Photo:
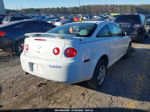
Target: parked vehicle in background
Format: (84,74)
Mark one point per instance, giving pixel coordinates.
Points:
(62,22)
(53,21)
(147,27)
(8,19)
(75,52)
(12,35)
(134,25)
(1,18)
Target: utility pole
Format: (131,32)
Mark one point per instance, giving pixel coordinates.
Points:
(2,8)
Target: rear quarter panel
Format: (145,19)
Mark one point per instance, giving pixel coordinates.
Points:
(88,49)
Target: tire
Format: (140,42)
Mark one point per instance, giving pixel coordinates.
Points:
(19,47)
(98,76)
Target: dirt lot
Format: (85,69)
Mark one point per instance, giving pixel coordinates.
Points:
(126,88)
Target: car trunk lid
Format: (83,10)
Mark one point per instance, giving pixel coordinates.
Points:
(42,45)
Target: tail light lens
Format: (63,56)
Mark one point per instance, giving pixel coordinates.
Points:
(56,51)
(26,47)
(2,33)
(71,52)
(137,25)
(40,39)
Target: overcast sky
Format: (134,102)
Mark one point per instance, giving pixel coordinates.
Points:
(19,4)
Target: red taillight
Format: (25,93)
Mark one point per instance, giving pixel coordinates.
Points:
(71,52)
(40,39)
(137,25)
(26,47)
(2,33)
(56,51)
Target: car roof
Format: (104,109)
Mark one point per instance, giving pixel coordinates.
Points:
(97,22)
(19,21)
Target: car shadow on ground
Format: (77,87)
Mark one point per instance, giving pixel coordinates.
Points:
(79,110)
(6,56)
(129,77)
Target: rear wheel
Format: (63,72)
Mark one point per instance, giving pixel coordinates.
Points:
(19,47)
(99,75)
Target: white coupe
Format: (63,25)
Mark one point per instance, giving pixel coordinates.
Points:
(75,52)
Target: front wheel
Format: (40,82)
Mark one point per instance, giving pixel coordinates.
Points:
(98,76)
(19,47)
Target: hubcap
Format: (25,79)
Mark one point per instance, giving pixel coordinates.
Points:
(101,75)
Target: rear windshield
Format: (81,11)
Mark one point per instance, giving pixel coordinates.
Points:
(128,18)
(76,29)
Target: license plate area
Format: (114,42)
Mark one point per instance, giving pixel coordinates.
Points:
(34,67)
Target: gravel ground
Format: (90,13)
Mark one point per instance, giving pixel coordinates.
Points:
(126,88)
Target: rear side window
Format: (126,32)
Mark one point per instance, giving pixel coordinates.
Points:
(46,26)
(33,26)
(37,26)
(114,30)
(129,19)
(104,32)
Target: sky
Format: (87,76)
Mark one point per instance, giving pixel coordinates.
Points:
(20,4)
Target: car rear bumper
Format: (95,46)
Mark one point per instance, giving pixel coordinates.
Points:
(59,71)
(134,37)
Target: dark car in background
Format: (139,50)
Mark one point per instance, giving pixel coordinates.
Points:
(12,35)
(8,19)
(133,25)
(1,18)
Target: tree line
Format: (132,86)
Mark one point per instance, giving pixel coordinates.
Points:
(87,9)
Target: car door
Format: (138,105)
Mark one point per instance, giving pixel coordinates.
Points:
(121,40)
(109,43)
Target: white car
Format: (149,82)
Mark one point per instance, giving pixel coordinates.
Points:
(75,52)
(62,22)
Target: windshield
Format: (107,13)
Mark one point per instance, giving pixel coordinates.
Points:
(76,29)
